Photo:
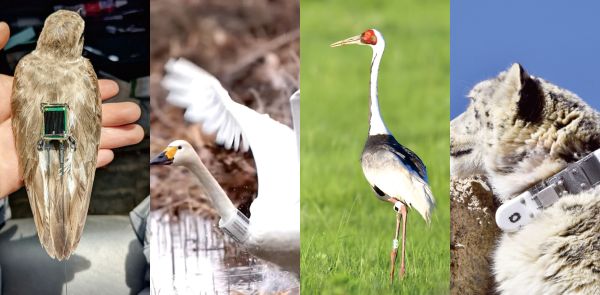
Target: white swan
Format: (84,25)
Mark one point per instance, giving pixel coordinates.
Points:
(273,230)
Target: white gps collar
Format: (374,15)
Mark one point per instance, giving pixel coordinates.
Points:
(577,177)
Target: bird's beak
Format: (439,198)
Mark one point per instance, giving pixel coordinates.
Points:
(351,40)
(165,157)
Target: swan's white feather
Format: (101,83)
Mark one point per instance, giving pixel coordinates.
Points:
(206,102)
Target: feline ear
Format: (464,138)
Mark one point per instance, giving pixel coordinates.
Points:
(530,99)
(516,75)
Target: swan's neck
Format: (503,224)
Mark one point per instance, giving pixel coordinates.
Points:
(221,202)
(376,125)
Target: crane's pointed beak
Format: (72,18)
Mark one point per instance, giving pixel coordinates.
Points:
(349,41)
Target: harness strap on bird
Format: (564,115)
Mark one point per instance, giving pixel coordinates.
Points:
(55,129)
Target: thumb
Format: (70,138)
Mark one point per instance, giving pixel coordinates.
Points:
(4,34)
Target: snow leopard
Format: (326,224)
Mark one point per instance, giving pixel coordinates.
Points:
(518,130)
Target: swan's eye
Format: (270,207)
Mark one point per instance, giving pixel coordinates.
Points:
(179,147)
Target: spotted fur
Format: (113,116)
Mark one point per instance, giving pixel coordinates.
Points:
(530,129)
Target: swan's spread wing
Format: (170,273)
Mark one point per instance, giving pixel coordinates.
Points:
(206,101)
(238,127)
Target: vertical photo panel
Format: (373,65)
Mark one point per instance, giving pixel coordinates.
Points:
(374,147)
(225,185)
(525,148)
(74,139)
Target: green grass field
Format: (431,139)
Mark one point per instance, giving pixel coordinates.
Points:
(346,231)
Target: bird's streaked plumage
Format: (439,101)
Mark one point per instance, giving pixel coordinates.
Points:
(56,73)
(275,213)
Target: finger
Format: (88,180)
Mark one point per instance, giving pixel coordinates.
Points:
(116,137)
(120,113)
(108,88)
(104,158)
(4,34)
(5,92)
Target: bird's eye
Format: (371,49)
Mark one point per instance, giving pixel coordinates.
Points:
(179,147)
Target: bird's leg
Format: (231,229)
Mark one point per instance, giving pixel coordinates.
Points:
(404,214)
(394,252)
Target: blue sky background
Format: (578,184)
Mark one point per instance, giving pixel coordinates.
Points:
(556,40)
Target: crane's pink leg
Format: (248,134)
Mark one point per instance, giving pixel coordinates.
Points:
(394,252)
(404,213)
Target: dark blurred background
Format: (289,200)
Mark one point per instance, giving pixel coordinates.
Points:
(117,42)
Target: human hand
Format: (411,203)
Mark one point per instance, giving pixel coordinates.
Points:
(118,128)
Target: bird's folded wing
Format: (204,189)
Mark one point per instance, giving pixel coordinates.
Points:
(26,119)
(410,159)
(238,127)
(26,126)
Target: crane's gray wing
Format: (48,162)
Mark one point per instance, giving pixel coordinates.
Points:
(59,199)
(408,157)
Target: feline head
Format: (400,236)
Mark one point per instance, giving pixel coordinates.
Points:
(520,129)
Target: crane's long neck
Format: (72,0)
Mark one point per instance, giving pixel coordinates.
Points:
(376,124)
(221,202)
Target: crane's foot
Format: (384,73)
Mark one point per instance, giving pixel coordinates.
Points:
(401,272)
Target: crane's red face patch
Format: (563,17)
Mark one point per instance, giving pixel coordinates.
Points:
(368,37)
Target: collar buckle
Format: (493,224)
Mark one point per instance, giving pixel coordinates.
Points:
(546,197)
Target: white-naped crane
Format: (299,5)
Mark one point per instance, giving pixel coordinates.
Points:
(395,173)
(273,230)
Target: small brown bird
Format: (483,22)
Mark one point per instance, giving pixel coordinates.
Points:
(56,121)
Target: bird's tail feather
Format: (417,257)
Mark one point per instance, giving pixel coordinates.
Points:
(426,203)
(59,202)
